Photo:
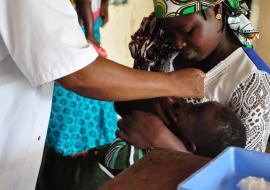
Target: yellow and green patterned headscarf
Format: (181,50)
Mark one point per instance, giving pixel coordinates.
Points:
(235,14)
(172,8)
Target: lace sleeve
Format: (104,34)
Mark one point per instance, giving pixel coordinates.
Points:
(251,102)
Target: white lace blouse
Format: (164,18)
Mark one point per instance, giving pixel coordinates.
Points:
(236,82)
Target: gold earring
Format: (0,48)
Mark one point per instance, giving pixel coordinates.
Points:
(184,44)
(218,16)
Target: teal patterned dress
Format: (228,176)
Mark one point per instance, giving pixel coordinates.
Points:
(78,123)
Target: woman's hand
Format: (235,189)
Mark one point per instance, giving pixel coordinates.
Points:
(162,107)
(146,130)
(165,108)
(188,82)
(91,40)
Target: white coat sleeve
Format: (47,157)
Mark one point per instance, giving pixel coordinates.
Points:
(44,39)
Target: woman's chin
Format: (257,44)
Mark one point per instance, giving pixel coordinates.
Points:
(192,58)
(188,55)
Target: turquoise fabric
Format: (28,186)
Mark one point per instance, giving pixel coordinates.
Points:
(97,25)
(78,123)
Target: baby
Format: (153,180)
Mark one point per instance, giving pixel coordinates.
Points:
(208,128)
(205,129)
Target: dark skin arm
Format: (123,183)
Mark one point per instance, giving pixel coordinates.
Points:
(104,11)
(162,107)
(85,12)
(127,107)
(107,80)
(146,130)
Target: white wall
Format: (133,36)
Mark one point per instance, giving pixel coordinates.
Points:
(124,20)
(262,14)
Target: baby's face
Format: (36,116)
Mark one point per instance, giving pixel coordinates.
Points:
(193,121)
(196,124)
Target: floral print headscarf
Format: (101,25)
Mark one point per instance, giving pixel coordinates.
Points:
(150,46)
(235,11)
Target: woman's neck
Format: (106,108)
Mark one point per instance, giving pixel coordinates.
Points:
(228,44)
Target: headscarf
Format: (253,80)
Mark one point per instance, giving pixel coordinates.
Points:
(235,11)
(150,46)
(172,8)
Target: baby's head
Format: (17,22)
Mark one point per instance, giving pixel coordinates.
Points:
(208,128)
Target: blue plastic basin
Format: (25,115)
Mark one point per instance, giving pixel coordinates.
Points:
(227,169)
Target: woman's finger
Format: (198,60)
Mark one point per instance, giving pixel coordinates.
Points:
(125,123)
(120,124)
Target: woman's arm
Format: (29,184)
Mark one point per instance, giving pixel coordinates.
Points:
(146,130)
(127,107)
(164,107)
(84,9)
(104,11)
(106,80)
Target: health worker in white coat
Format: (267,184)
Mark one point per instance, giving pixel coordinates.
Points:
(42,42)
